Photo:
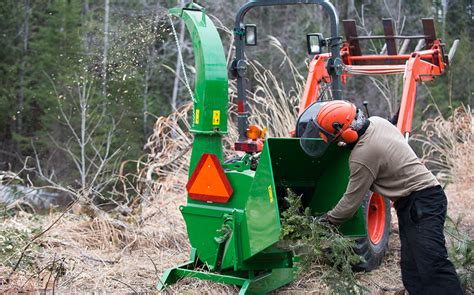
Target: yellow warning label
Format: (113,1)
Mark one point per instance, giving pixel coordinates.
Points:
(216,117)
(270,193)
(196,116)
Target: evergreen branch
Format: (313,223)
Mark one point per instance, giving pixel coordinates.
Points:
(320,243)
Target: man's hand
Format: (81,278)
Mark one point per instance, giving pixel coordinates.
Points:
(324,220)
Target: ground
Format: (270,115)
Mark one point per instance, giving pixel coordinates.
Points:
(120,254)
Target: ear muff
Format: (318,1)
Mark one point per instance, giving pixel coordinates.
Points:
(349,135)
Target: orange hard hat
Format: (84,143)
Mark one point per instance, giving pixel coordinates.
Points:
(334,118)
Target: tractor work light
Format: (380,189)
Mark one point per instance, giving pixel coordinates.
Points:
(251,35)
(315,43)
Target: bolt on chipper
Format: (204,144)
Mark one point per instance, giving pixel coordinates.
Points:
(233,208)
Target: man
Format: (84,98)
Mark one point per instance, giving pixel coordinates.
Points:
(383,162)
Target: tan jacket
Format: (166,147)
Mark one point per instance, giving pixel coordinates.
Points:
(383,162)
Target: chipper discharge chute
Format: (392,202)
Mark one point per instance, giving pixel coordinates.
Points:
(233,208)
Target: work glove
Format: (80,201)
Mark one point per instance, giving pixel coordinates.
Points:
(324,220)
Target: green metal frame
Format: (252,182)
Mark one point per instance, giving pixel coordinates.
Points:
(237,242)
(211,91)
(250,281)
(321,181)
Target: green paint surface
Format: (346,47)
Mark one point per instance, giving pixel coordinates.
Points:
(211,91)
(320,181)
(251,217)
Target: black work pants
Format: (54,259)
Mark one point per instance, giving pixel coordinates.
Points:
(424,258)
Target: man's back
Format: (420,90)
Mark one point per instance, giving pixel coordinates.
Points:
(395,168)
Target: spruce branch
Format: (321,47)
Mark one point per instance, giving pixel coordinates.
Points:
(321,244)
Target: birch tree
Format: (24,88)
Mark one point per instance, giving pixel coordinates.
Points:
(90,145)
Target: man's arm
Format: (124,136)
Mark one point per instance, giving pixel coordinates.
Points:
(360,181)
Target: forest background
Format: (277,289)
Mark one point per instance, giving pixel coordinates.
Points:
(84,81)
(95,105)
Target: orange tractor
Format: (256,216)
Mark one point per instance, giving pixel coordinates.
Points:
(426,62)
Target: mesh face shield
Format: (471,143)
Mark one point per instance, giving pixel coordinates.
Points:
(315,140)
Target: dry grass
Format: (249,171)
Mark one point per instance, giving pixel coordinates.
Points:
(127,253)
(115,253)
(448,147)
(107,253)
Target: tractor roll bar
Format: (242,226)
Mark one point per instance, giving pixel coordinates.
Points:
(239,66)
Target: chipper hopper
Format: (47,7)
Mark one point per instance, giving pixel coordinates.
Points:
(233,208)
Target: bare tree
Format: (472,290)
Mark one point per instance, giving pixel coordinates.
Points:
(150,67)
(174,97)
(85,38)
(445,5)
(90,145)
(21,94)
(106,48)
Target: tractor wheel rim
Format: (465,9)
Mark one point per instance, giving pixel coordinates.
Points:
(376,218)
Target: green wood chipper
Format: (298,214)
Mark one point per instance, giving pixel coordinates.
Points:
(233,208)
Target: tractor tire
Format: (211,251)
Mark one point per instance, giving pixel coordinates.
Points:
(378,218)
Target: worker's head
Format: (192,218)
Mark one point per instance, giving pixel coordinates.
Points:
(335,121)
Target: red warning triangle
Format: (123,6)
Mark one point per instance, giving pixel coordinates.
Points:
(209,182)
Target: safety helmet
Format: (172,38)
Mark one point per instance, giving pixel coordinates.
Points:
(334,120)
(327,122)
